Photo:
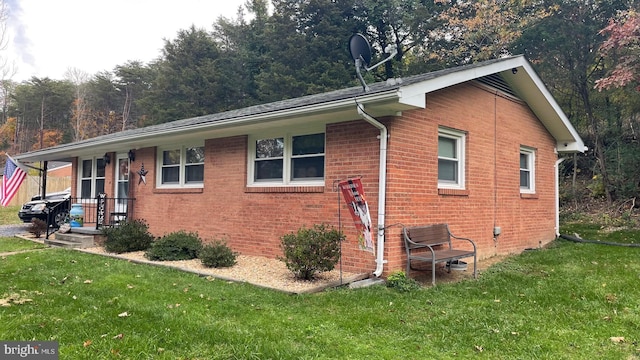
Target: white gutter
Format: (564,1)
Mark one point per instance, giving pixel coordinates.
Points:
(382,187)
(557,174)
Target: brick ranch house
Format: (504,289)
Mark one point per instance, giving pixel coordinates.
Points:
(475,146)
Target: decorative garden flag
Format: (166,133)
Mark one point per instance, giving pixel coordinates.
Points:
(353,194)
(12,178)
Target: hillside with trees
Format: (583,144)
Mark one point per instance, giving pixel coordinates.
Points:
(585,51)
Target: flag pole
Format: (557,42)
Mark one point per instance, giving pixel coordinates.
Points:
(43,175)
(31,167)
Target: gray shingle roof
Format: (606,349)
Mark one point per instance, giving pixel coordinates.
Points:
(328,101)
(288,104)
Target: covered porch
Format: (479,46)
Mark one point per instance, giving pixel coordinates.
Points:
(90,215)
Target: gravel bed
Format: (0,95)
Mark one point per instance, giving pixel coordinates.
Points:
(256,270)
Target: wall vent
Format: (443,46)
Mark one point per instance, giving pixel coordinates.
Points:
(497,82)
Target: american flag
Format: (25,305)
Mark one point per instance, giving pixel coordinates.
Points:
(12,178)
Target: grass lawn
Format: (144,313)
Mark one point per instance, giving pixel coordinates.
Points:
(9,215)
(9,244)
(599,233)
(568,301)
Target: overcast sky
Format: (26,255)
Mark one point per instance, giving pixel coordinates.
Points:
(46,37)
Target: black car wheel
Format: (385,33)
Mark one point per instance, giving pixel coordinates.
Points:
(60,217)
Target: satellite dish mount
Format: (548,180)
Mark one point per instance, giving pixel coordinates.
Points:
(361,53)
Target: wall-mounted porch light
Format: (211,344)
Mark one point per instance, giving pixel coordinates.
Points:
(132,155)
(106,158)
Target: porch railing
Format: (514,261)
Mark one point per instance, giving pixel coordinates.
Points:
(98,212)
(105,211)
(57,214)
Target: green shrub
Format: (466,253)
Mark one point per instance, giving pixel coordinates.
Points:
(398,280)
(179,245)
(217,254)
(37,227)
(311,250)
(128,236)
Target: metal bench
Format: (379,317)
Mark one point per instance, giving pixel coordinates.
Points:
(433,243)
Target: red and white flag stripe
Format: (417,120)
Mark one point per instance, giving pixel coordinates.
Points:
(12,178)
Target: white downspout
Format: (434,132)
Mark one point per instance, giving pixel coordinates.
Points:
(382,188)
(557,174)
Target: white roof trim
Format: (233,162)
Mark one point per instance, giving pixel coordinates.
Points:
(525,82)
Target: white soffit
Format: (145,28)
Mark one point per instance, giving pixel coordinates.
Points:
(524,81)
(532,90)
(410,94)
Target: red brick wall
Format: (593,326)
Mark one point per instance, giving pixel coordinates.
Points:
(61,171)
(496,127)
(252,220)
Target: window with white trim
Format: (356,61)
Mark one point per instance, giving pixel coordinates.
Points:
(180,166)
(91,177)
(451,144)
(287,160)
(527,170)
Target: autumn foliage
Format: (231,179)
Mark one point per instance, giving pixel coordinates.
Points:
(8,132)
(50,137)
(623,47)
(483,30)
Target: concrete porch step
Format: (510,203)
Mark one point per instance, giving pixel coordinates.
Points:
(63,243)
(72,240)
(86,230)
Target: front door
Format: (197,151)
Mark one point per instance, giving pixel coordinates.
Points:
(122,184)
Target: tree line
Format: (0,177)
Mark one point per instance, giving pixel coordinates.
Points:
(585,51)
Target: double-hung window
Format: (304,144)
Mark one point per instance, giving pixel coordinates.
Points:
(527,170)
(451,145)
(287,159)
(181,166)
(91,177)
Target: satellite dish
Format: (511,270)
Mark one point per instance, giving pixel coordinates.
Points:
(360,49)
(361,54)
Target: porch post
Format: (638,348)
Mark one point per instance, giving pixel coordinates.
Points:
(44,179)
